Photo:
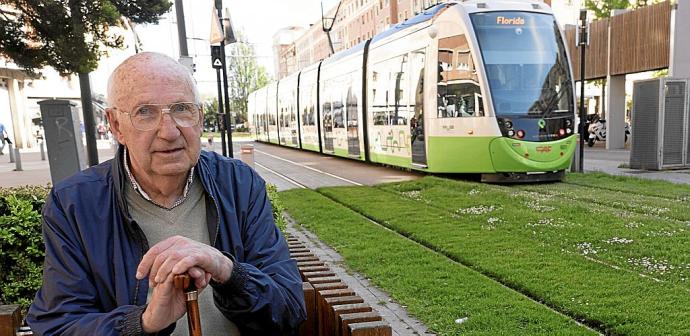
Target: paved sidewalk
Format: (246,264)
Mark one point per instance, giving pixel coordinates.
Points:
(615,161)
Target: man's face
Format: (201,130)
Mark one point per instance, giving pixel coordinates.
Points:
(166,150)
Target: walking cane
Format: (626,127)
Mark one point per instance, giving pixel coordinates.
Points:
(184,282)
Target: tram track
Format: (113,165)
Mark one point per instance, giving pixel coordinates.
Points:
(592,325)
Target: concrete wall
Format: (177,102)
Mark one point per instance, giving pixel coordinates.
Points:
(680,58)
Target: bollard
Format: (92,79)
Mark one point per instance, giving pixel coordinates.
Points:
(247,154)
(18,160)
(43,151)
(11,149)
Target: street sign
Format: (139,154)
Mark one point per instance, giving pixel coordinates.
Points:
(216,59)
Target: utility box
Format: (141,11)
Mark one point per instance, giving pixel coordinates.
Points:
(66,153)
(660,124)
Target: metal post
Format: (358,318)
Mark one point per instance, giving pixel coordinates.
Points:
(43,151)
(583,44)
(228,122)
(89,120)
(181,28)
(18,160)
(221,115)
(11,148)
(247,154)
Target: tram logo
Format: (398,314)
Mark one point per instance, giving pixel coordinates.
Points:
(541,123)
(502,20)
(543,149)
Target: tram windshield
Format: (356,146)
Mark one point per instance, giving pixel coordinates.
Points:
(526,64)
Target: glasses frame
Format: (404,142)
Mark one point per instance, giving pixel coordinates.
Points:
(164,110)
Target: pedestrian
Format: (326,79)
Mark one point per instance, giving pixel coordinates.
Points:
(101,131)
(210,141)
(3,137)
(117,233)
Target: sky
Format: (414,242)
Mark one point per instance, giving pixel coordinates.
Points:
(257,20)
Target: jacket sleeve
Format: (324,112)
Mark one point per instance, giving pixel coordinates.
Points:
(264,293)
(67,302)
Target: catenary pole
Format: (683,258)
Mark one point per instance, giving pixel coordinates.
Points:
(583,44)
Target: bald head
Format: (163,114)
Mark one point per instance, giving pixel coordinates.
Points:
(144,69)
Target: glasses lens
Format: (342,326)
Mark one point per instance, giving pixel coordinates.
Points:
(146,117)
(185,114)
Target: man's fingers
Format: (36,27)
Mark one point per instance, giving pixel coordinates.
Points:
(150,257)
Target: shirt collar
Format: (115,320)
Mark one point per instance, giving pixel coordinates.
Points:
(143,193)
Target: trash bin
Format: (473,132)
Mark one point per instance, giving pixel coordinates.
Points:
(247,154)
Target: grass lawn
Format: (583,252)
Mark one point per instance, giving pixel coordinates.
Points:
(216,135)
(611,252)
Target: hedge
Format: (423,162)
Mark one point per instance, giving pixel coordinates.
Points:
(21,241)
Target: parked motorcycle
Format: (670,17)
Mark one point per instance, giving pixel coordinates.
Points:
(597,130)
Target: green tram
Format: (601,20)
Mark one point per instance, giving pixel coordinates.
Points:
(464,87)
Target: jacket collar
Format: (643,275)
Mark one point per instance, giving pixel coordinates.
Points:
(203,172)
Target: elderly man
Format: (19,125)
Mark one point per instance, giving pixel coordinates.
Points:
(117,233)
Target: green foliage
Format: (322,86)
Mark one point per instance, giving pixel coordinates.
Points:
(245,75)
(70,36)
(604,8)
(21,244)
(278,206)
(211,114)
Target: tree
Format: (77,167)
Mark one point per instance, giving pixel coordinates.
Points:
(70,36)
(604,8)
(211,114)
(244,77)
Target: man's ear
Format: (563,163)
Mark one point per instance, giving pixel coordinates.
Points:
(114,122)
(201,119)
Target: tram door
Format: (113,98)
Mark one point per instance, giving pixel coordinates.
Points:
(417,136)
(328,127)
(352,124)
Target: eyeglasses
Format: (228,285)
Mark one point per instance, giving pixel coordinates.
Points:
(148,116)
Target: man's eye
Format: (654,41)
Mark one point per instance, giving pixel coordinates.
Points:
(180,108)
(145,111)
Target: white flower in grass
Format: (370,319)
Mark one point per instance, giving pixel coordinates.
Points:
(413,194)
(473,192)
(476,210)
(634,225)
(652,265)
(586,248)
(616,240)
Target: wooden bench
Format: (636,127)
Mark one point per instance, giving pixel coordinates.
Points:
(332,307)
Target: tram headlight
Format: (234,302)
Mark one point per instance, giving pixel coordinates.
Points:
(568,130)
(508,124)
(520,134)
(568,123)
(561,132)
(511,133)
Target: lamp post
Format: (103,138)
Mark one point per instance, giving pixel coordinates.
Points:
(582,43)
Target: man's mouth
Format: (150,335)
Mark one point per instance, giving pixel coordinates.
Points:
(169,151)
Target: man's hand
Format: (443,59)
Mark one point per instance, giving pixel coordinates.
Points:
(178,255)
(167,305)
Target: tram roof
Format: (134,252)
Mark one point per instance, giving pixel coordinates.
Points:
(424,16)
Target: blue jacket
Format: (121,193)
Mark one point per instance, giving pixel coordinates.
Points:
(93,248)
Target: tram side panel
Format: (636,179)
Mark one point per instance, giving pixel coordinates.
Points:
(272,112)
(341,106)
(396,99)
(308,106)
(287,111)
(261,116)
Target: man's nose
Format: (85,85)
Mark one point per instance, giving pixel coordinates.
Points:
(168,128)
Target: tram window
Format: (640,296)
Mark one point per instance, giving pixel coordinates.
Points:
(417,103)
(351,108)
(338,120)
(458,92)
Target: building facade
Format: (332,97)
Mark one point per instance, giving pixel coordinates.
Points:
(353,22)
